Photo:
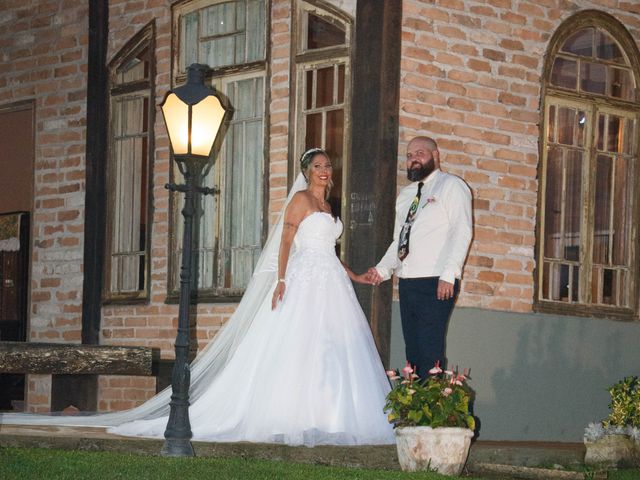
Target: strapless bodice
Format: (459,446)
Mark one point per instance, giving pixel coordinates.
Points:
(318,231)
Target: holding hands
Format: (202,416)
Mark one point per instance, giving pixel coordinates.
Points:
(370,277)
(373,276)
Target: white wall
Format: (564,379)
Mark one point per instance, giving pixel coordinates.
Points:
(536,377)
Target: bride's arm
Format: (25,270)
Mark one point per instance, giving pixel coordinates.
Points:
(293,215)
(362,278)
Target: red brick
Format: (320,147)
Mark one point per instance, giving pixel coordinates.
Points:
(479,65)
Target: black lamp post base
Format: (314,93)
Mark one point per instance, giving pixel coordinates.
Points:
(177,447)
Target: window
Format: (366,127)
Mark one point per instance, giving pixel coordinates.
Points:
(322,78)
(131,110)
(230,37)
(587,247)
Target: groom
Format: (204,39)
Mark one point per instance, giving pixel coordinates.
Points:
(432,233)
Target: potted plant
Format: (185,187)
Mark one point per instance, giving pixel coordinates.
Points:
(615,442)
(431,418)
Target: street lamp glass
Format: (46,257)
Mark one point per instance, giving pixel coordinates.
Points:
(206,120)
(176,117)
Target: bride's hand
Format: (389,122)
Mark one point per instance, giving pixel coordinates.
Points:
(363,278)
(278,293)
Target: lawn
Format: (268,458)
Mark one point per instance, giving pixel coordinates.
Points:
(31,464)
(36,464)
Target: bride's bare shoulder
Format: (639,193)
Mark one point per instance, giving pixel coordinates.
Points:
(301,199)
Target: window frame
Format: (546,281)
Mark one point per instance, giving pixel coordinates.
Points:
(144,39)
(217,78)
(593,104)
(304,60)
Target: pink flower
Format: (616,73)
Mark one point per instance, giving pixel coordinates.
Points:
(407,369)
(391,373)
(447,391)
(436,369)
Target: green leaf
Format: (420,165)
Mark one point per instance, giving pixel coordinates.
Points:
(471,423)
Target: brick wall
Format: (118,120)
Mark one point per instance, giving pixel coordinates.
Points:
(471,79)
(44,49)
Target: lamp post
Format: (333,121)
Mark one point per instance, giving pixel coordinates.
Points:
(193,114)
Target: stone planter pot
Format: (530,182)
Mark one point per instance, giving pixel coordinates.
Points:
(444,449)
(613,451)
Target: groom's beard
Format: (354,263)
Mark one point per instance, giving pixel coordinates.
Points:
(418,171)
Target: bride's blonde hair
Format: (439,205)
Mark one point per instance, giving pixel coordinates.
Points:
(305,163)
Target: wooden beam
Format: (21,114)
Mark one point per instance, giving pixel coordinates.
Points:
(374,154)
(59,358)
(96,148)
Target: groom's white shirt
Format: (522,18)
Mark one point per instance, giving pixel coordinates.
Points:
(440,234)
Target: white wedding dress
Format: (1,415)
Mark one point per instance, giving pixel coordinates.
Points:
(307,372)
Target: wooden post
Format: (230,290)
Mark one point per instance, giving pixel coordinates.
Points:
(374,153)
(96,152)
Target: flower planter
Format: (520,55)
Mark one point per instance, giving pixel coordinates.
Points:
(612,451)
(444,449)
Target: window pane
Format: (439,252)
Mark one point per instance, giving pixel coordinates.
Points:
(601,132)
(128,195)
(220,19)
(189,44)
(559,282)
(593,78)
(621,84)
(615,133)
(341,84)
(334,147)
(580,43)
(309,89)
(322,33)
(324,87)
(134,69)
(313,130)
(567,122)
(256,29)
(607,48)
(564,73)
(219,52)
(229,33)
(551,124)
(609,287)
(573,205)
(245,164)
(629,137)
(553,205)
(621,212)
(602,210)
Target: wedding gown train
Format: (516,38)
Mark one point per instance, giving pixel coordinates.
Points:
(307,372)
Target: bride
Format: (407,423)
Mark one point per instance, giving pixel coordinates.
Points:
(296,363)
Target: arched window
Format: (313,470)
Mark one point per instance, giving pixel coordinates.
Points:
(587,251)
(131,112)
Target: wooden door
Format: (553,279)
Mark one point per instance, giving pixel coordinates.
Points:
(17,150)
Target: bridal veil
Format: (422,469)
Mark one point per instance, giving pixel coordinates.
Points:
(212,358)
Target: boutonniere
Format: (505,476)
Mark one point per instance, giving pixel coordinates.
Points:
(429,201)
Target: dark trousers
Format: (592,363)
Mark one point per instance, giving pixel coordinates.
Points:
(424,321)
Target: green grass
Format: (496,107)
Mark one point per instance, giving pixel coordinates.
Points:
(41,464)
(624,475)
(32,464)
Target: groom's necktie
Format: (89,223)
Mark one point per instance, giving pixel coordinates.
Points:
(403,242)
